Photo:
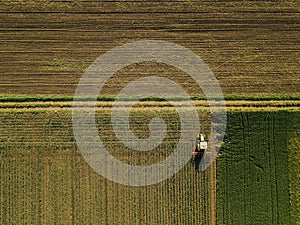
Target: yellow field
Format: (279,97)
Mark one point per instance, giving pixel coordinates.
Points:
(45,180)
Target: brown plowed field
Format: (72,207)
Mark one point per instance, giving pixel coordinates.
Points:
(252,47)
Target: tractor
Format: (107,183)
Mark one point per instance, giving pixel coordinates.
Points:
(200,148)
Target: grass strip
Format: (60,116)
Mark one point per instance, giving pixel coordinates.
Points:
(57,98)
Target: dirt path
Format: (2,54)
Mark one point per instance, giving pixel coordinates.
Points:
(212,185)
(200,104)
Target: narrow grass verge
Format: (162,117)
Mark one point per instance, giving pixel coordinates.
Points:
(56,98)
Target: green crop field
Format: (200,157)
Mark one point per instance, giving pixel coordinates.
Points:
(253,169)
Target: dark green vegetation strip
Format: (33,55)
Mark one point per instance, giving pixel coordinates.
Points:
(58,98)
(252,171)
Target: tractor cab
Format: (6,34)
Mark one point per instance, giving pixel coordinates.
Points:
(200,148)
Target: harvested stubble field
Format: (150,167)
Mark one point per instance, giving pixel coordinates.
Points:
(251,47)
